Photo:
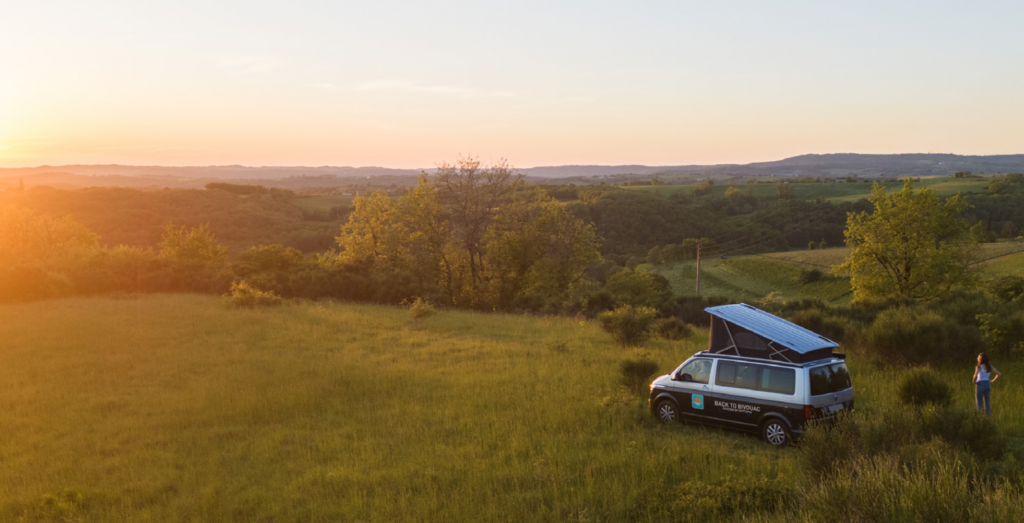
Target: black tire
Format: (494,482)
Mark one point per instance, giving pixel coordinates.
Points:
(776,433)
(667,412)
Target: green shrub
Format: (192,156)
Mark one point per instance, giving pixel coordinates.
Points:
(810,276)
(629,325)
(690,309)
(672,329)
(1008,289)
(638,287)
(636,373)
(908,335)
(420,309)
(244,295)
(923,385)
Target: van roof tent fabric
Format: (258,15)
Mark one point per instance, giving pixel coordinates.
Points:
(751,332)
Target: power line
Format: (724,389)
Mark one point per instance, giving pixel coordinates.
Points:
(739,248)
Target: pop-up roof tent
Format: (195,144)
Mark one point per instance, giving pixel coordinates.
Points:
(751,332)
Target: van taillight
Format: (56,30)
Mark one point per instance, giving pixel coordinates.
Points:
(808,412)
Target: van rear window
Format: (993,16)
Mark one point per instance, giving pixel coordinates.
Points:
(829,378)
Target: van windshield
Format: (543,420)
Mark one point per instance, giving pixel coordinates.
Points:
(830,378)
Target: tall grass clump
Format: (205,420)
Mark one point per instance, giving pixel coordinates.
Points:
(243,295)
(914,436)
(420,310)
(923,385)
(701,501)
(903,463)
(635,374)
(629,325)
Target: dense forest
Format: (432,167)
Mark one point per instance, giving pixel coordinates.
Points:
(137,218)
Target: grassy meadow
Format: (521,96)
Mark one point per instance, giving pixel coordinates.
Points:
(178,408)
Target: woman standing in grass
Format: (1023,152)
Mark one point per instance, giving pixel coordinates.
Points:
(984,375)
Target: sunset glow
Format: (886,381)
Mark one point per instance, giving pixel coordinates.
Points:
(409,84)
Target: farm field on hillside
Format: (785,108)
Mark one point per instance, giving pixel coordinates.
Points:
(944,186)
(755,276)
(746,278)
(1010,265)
(175,407)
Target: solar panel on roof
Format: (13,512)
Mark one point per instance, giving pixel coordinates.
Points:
(772,327)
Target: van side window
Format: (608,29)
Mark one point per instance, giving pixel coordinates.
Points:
(774,379)
(699,370)
(736,375)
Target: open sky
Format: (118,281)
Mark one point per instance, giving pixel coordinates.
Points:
(411,84)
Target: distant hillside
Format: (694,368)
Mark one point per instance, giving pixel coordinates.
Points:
(815,165)
(216,171)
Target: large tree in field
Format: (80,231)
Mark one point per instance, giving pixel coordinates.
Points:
(472,195)
(478,235)
(913,246)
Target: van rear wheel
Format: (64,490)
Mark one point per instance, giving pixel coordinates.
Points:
(667,412)
(776,433)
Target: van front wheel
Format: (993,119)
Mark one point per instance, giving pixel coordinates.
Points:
(667,412)
(775,433)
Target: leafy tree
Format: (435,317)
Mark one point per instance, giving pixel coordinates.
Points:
(629,326)
(534,247)
(673,253)
(913,246)
(477,236)
(38,254)
(472,195)
(1009,230)
(372,232)
(655,256)
(640,288)
(27,236)
(268,267)
(1008,184)
(704,188)
(191,248)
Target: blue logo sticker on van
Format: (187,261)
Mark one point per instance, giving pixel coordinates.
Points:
(697,400)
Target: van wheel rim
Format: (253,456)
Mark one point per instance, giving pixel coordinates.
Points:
(776,434)
(666,413)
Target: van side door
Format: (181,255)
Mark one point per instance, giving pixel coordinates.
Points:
(691,386)
(746,392)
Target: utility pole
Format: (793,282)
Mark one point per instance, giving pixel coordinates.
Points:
(698,269)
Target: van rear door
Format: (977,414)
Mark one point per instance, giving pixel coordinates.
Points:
(831,389)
